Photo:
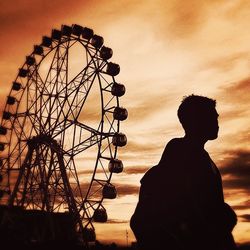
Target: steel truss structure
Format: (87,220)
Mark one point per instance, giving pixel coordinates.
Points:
(59,132)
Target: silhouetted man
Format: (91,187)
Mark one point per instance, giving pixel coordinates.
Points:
(181,204)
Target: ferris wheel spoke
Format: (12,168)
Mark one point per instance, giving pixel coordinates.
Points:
(61,79)
(50,83)
(106,147)
(77,188)
(111,123)
(73,108)
(94,191)
(82,146)
(12,155)
(19,179)
(39,89)
(108,83)
(84,86)
(58,67)
(70,96)
(87,128)
(48,77)
(103,168)
(39,83)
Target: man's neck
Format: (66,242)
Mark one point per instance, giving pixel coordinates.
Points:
(195,142)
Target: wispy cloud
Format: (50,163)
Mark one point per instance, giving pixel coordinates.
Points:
(227,62)
(187,17)
(237,92)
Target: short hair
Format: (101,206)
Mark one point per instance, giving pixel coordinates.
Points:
(194,107)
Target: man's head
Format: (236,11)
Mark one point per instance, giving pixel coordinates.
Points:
(199,117)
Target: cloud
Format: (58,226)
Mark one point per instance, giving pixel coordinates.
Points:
(187,17)
(245,217)
(236,170)
(114,221)
(134,146)
(16,19)
(239,183)
(237,92)
(239,9)
(123,190)
(146,108)
(144,153)
(21,13)
(240,87)
(229,115)
(136,170)
(227,62)
(242,206)
(142,108)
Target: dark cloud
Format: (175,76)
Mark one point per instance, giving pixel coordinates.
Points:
(245,217)
(113,221)
(126,170)
(239,183)
(236,170)
(123,189)
(136,169)
(240,87)
(88,172)
(242,206)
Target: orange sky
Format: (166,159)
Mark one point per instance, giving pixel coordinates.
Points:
(166,50)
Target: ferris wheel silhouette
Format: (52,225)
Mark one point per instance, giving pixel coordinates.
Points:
(60,129)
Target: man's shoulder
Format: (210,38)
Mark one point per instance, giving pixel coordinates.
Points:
(174,149)
(167,163)
(176,144)
(151,174)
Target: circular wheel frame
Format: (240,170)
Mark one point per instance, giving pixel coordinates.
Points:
(60,129)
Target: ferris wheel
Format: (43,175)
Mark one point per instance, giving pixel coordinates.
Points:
(60,129)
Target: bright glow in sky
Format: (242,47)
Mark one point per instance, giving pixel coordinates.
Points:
(166,50)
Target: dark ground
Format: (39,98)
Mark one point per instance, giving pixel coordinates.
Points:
(71,246)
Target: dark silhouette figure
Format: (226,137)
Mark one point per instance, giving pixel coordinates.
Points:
(181,204)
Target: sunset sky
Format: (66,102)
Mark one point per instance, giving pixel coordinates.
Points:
(166,50)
